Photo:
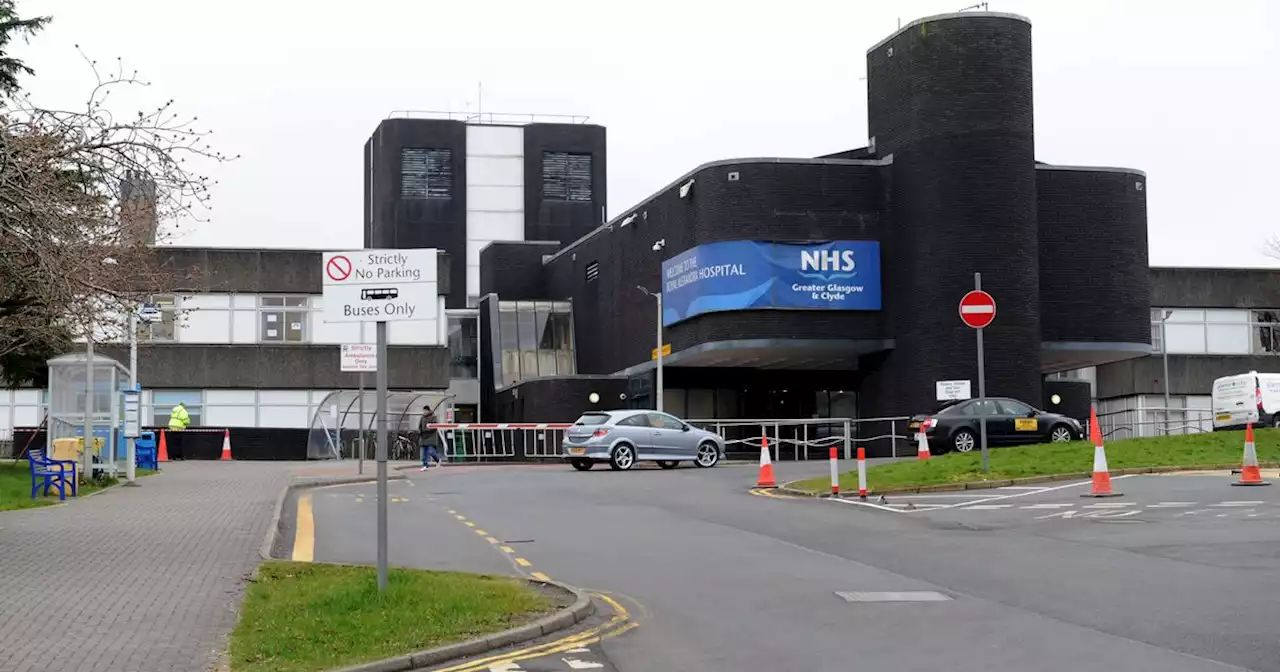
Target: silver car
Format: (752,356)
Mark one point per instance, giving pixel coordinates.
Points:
(623,438)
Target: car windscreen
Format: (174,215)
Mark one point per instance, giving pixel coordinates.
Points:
(591,419)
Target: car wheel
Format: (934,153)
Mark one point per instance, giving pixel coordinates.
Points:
(581,465)
(668,464)
(1060,434)
(624,457)
(964,441)
(708,456)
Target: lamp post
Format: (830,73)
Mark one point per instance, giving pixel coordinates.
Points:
(658,389)
(1164,352)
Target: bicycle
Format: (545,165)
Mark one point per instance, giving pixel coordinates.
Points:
(403,448)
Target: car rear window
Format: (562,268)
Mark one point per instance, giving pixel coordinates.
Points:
(590,419)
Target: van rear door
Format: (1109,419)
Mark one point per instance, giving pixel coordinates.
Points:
(1235,400)
(1269,384)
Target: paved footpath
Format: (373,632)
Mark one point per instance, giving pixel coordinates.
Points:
(135,579)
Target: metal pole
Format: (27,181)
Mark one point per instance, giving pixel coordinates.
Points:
(1164,351)
(86,458)
(360,429)
(660,407)
(982,384)
(381,455)
(131,448)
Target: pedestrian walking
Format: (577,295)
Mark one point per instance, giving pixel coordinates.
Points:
(178,421)
(428,438)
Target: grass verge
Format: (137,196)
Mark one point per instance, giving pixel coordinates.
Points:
(302,617)
(15,487)
(1194,450)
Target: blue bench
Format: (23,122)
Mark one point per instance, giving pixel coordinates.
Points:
(51,473)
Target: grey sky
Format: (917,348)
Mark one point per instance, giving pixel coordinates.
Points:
(1188,93)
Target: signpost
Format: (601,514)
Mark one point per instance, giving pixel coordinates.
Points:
(978,310)
(380,286)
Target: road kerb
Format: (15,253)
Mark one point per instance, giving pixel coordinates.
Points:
(581,609)
(310,482)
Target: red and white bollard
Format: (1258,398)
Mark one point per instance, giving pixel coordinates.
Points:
(862,472)
(835,473)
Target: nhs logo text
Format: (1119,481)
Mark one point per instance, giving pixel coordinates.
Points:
(827,264)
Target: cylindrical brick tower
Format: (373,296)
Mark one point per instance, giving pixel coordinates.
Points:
(950,100)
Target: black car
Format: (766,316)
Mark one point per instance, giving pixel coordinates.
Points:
(1010,422)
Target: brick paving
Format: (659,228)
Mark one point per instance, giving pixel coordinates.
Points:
(135,579)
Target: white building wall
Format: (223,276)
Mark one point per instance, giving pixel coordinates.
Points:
(495,192)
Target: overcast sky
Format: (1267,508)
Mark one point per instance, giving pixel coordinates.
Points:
(1186,91)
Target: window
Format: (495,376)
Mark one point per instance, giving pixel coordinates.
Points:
(666,422)
(979,407)
(566,176)
(163,401)
(464,339)
(593,271)
(1014,408)
(164,329)
(536,338)
(1266,332)
(426,173)
(1211,331)
(282,319)
(637,420)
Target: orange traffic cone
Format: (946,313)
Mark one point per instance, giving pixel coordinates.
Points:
(1101,477)
(766,466)
(226,444)
(1249,474)
(922,452)
(162,453)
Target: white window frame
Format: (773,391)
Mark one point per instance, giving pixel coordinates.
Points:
(282,311)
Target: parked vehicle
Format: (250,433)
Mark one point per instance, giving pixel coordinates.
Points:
(622,438)
(1246,398)
(955,425)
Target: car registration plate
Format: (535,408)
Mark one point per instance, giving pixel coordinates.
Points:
(1025,424)
(1224,416)
(914,425)
(577,451)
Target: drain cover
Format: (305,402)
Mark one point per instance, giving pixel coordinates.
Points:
(907,596)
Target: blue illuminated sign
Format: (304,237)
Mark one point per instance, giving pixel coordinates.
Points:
(746,275)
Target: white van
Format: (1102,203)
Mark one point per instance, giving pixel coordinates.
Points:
(1246,398)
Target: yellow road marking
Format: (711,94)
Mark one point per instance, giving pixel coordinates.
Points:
(304,537)
(760,492)
(460,517)
(541,577)
(491,540)
(453,512)
(617,625)
(469,524)
(506,549)
(523,563)
(481,533)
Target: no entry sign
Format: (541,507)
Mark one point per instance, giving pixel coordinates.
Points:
(977,309)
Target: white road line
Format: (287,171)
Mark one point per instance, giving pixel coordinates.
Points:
(1171,505)
(1021,487)
(576,664)
(1024,494)
(1238,503)
(857,502)
(1048,506)
(1110,505)
(988,507)
(1192,513)
(944,496)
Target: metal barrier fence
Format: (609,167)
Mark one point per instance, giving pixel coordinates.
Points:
(811,438)
(1148,422)
(469,442)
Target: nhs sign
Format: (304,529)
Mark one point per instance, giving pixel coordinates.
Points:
(757,275)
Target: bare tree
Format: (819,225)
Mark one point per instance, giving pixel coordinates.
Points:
(82,195)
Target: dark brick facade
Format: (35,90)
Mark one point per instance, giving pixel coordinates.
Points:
(514,270)
(1093,255)
(949,185)
(563,220)
(951,100)
(559,399)
(393,222)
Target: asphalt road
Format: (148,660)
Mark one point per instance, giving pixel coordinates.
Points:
(720,579)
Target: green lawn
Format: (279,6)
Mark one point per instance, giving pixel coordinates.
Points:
(301,617)
(1195,450)
(15,487)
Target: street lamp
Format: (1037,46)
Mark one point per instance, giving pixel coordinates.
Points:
(658,393)
(1164,351)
